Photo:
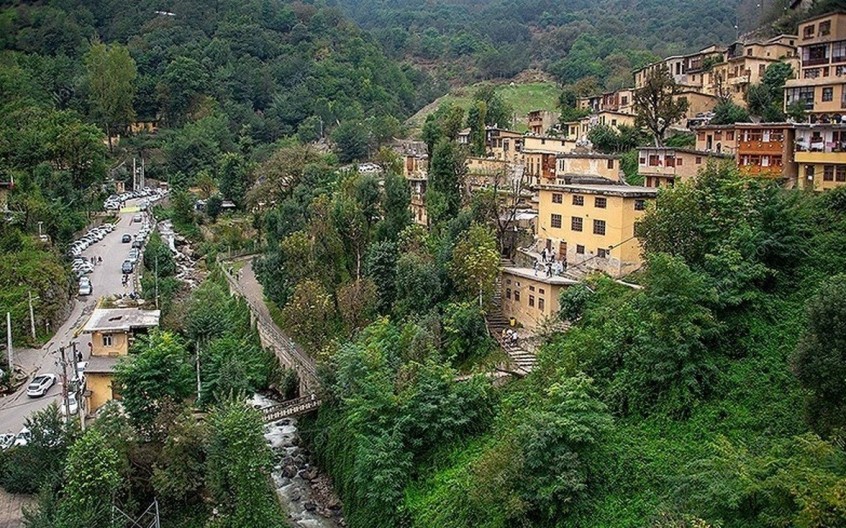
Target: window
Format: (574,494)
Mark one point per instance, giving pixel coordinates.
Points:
(624,100)
(541,304)
(613,122)
(107,340)
(809,172)
(508,293)
(828,94)
(532,301)
(749,52)
(578,200)
(828,173)
(730,135)
(557,198)
(640,205)
(814,55)
(602,253)
(600,203)
(599,227)
(610,164)
(580,249)
(699,160)
(576,223)
(670,160)
(804,94)
(517,295)
(642,161)
(808,32)
(531,288)
(556,220)
(838,51)
(541,291)
(841,173)
(679,162)
(653,160)
(825,28)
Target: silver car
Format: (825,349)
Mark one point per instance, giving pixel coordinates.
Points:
(40,385)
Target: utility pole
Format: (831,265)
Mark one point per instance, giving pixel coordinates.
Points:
(134,175)
(9,343)
(143,174)
(79,407)
(65,383)
(157,280)
(199,387)
(31,316)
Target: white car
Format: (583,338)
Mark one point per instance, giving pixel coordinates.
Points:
(40,385)
(80,369)
(72,407)
(23,437)
(6,440)
(85,288)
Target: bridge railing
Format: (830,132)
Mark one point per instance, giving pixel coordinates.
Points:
(304,363)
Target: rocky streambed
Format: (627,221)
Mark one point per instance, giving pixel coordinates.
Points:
(305,492)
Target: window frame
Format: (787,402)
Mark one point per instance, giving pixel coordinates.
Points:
(599,227)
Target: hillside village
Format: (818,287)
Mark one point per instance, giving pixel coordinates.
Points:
(240,292)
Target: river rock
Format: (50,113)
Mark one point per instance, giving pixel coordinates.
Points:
(310,506)
(289,470)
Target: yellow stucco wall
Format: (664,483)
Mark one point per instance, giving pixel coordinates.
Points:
(818,183)
(119,347)
(589,166)
(100,386)
(620,217)
(519,293)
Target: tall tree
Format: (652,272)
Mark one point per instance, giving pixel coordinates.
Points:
(658,104)
(476,116)
(475,264)
(234,177)
(446,175)
(110,75)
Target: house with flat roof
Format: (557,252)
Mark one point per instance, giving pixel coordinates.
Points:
(530,296)
(667,166)
(591,227)
(112,331)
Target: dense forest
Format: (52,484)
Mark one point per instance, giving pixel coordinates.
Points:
(467,39)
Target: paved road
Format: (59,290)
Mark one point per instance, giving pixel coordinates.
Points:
(105,280)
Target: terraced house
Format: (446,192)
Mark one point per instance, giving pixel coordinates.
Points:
(820,87)
(592,226)
(820,153)
(667,166)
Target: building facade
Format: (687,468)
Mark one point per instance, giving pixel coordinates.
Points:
(530,297)
(667,166)
(112,332)
(820,154)
(592,226)
(607,166)
(820,86)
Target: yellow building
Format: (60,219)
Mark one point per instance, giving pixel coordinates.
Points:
(418,200)
(541,121)
(579,164)
(821,83)
(592,226)
(539,155)
(821,155)
(688,71)
(504,144)
(529,296)
(666,166)
(744,64)
(112,332)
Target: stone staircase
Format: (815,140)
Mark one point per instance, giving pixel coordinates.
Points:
(522,360)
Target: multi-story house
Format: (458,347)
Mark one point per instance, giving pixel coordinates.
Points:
(820,155)
(112,332)
(504,144)
(760,149)
(687,70)
(580,164)
(592,226)
(744,64)
(820,86)
(531,297)
(666,166)
(541,121)
(539,155)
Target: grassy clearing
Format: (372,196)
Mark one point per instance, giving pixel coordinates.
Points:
(523,97)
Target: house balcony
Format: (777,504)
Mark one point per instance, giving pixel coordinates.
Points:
(821,157)
(754,147)
(815,62)
(740,79)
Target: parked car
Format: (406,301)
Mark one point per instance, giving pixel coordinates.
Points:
(85,288)
(6,440)
(80,368)
(126,267)
(137,243)
(72,407)
(133,256)
(126,238)
(23,437)
(137,218)
(40,385)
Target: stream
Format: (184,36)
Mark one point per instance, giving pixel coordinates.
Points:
(305,492)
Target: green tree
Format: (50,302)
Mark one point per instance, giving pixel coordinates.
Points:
(158,258)
(234,177)
(110,74)
(179,472)
(308,315)
(381,267)
(418,285)
(475,264)
(156,375)
(446,175)
(766,99)
(181,88)
(658,104)
(728,113)
(352,141)
(443,123)
(93,479)
(476,121)
(237,469)
(820,358)
(396,201)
